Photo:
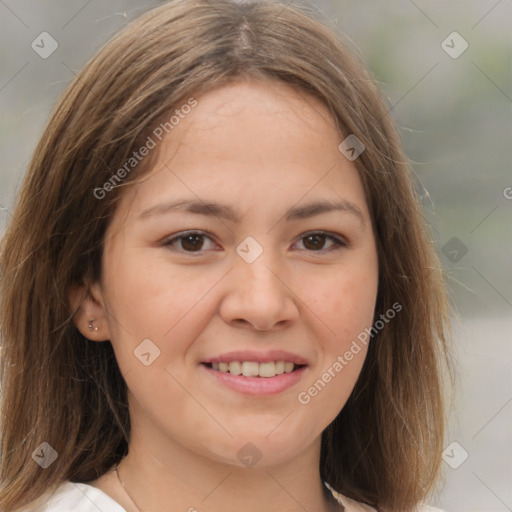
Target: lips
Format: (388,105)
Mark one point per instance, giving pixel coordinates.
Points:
(255,386)
(257,373)
(253,372)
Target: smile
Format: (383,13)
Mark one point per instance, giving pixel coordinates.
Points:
(252,383)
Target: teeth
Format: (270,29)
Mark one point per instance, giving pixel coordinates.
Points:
(267,369)
(235,367)
(250,369)
(254,369)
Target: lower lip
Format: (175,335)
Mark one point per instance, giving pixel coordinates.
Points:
(257,386)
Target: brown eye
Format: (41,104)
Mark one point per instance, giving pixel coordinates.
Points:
(314,242)
(190,242)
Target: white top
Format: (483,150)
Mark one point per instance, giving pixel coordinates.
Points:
(76,497)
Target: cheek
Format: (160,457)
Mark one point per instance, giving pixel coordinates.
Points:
(344,301)
(148,299)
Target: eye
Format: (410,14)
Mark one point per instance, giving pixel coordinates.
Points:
(315,241)
(191,241)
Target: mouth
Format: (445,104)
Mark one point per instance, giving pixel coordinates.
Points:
(256,373)
(250,383)
(265,370)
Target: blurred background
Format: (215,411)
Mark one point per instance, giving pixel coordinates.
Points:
(445,68)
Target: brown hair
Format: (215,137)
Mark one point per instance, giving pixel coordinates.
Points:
(384,447)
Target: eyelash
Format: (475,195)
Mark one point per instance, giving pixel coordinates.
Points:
(340,243)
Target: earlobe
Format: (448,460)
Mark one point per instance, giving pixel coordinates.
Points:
(89,314)
(91,325)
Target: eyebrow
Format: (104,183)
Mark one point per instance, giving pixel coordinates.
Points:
(214,209)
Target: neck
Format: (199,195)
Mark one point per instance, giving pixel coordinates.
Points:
(180,478)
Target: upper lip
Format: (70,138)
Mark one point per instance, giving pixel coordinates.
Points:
(258,357)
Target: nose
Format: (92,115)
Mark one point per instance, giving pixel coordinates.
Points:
(258,295)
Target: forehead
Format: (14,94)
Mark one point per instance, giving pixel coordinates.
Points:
(252,143)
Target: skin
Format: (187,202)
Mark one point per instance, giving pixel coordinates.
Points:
(261,147)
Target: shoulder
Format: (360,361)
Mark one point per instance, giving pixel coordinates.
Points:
(79,498)
(350,505)
(423,507)
(355,506)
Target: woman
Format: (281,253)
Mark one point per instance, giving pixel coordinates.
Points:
(218,291)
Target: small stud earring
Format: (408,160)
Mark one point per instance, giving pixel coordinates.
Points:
(91,328)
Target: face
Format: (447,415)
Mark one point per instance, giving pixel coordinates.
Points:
(245,274)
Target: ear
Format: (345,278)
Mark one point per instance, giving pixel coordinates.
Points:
(90,315)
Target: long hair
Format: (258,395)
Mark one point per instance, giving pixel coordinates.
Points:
(384,447)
